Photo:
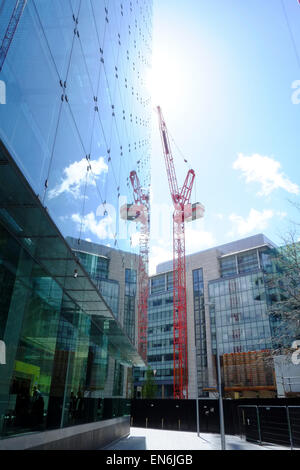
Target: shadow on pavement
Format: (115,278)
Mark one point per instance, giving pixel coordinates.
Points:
(241,446)
(234,446)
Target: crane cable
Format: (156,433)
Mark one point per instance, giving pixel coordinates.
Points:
(290,32)
(184,158)
(181,154)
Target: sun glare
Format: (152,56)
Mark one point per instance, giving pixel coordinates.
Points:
(165,81)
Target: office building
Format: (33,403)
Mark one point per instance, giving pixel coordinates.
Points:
(160,336)
(75,123)
(228,300)
(116,281)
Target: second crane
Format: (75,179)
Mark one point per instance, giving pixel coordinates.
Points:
(184,211)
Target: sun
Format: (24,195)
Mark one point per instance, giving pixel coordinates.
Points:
(165,81)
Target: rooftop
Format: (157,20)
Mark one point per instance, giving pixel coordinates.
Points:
(244,244)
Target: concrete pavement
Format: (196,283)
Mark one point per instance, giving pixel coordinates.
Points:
(155,439)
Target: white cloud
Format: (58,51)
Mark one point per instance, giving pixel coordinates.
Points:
(135,239)
(75,177)
(281,214)
(101,228)
(158,254)
(198,239)
(266,171)
(256,221)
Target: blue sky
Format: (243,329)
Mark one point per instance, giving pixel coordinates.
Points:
(223,73)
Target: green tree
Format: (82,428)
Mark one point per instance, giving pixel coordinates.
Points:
(150,387)
(283,283)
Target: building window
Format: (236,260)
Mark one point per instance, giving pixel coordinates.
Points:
(169,281)
(247,262)
(129,302)
(228,266)
(96,266)
(200,327)
(158,284)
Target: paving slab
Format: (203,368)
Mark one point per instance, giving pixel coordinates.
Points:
(155,439)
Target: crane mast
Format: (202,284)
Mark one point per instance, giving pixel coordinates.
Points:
(141,209)
(180,198)
(11,29)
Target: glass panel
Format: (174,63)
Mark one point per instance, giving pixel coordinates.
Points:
(76,122)
(158,284)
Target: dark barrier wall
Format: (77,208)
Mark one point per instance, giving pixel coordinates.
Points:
(181,414)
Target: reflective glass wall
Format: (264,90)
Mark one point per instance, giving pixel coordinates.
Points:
(76,121)
(239,314)
(116,281)
(60,369)
(241,326)
(77,113)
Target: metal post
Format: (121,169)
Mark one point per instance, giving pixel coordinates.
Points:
(219,380)
(197,397)
(289,425)
(221,411)
(65,392)
(162,423)
(197,407)
(258,424)
(242,428)
(146,422)
(196,392)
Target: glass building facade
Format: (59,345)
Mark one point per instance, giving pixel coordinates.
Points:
(200,331)
(230,297)
(77,113)
(240,314)
(242,324)
(130,302)
(239,302)
(75,123)
(116,282)
(160,336)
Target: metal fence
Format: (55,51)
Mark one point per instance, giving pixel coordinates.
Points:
(274,420)
(270,424)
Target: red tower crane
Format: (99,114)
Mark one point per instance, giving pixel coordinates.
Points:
(142,203)
(139,212)
(183,211)
(11,29)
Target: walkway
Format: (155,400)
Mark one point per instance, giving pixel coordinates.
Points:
(155,439)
